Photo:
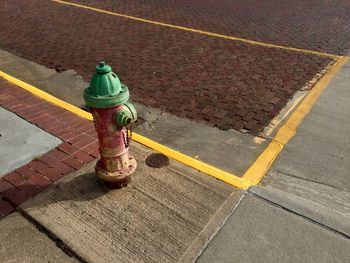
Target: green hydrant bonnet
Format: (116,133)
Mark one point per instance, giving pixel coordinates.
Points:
(105,89)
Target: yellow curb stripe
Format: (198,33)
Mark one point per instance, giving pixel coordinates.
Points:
(243,40)
(263,163)
(185,159)
(194,163)
(46,96)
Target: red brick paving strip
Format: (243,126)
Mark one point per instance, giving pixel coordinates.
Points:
(218,82)
(5,208)
(79,146)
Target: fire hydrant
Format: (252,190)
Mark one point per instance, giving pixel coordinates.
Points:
(107,98)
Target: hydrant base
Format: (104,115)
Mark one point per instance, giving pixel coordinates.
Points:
(118,185)
(119,178)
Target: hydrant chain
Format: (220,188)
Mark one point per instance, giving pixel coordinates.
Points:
(128,136)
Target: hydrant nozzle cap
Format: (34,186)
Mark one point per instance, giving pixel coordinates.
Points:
(103,68)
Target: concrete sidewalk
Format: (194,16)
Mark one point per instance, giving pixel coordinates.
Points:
(301,211)
(22,242)
(19,136)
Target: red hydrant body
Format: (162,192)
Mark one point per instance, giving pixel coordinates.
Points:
(107,99)
(115,162)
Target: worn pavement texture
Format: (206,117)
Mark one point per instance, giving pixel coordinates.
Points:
(22,242)
(215,81)
(259,231)
(154,219)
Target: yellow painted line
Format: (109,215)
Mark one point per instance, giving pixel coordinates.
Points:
(196,164)
(263,163)
(252,42)
(185,159)
(46,96)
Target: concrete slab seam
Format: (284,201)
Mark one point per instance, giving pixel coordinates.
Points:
(306,179)
(298,214)
(9,61)
(262,164)
(59,243)
(184,258)
(243,40)
(229,178)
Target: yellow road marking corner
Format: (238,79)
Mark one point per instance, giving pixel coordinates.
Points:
(263,163)
(176,155)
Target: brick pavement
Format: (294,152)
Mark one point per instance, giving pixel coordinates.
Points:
(320,25)
(79,146)
(219,82)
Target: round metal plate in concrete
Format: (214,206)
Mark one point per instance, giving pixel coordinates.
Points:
(157,160)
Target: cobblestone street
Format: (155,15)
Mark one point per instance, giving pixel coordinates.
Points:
(223,83)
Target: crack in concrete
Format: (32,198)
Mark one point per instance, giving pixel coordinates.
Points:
(301,215)
(213,234)
(59,242)
(308,180)
(9,61)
